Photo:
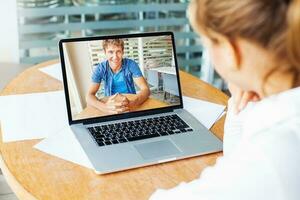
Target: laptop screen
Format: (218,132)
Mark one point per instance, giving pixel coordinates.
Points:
(119,75)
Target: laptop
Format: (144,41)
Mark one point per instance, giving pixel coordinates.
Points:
(155,131)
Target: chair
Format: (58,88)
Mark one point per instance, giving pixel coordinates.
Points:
(152,79)
(170,84)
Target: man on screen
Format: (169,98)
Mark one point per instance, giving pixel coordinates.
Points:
(119,76)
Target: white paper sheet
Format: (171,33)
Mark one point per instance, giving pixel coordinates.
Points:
(53,71)
(64,144)
(32,116)
(206,112)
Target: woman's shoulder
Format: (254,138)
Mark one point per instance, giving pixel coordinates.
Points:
(283,134)
(280,145)
(274,113)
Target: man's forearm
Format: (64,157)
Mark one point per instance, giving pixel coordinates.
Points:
(141,97)
(93,101)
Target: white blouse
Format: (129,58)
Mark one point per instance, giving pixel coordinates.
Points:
(261,155)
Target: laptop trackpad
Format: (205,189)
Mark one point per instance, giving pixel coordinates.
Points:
(157,149)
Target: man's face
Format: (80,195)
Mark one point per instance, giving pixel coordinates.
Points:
(114,55)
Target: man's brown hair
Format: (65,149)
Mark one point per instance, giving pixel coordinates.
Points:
(115,42)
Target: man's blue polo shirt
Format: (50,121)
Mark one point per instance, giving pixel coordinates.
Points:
(120,82)
(118,85)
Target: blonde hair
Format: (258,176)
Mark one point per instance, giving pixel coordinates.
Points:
(272,24)
(116,42)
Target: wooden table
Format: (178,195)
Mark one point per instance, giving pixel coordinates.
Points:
(150,103)
(33,174)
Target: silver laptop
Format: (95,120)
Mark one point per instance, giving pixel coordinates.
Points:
(156,129)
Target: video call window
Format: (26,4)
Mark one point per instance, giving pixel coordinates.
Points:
(120,70)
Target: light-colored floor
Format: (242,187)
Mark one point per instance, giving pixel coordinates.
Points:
(7,73)
(5,191)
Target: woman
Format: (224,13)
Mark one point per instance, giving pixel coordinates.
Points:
(255,47)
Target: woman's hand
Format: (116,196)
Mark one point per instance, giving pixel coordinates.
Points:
(241,98)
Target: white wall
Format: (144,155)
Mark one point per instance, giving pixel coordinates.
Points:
(9,32)
(79,58)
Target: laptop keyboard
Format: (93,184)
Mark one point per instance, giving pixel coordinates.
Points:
(138,129)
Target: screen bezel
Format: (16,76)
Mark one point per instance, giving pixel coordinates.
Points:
(123,115)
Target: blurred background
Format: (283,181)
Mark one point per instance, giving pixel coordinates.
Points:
(31,29)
